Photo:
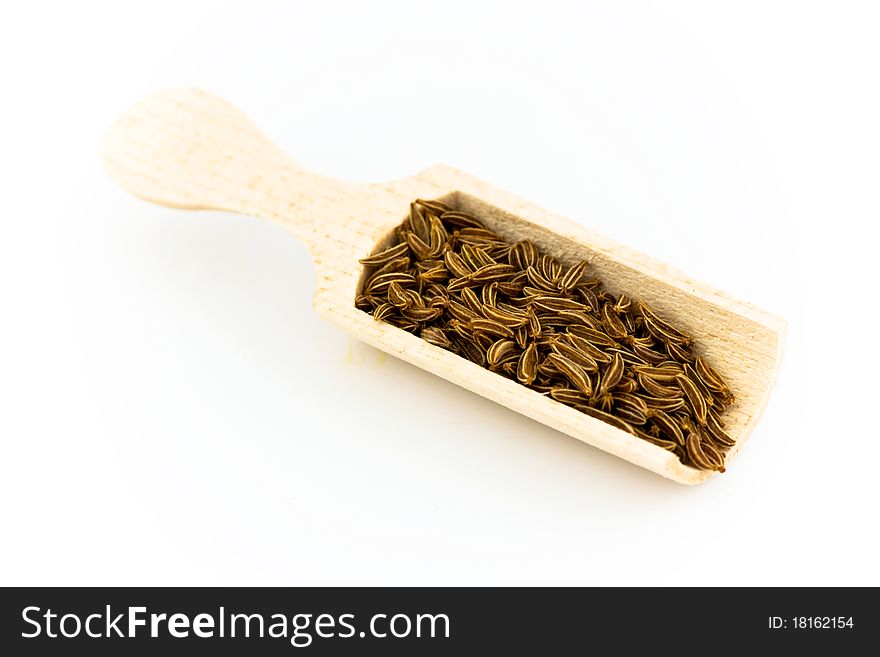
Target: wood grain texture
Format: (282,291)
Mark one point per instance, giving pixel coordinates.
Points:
(188,149)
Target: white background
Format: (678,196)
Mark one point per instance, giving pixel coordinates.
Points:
(172,411)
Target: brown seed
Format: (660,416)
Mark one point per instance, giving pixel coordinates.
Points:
(668,445)
(534,323)
(418,246)
(488,273)
(483,340)
(587,348)
(549,268)
(460,312)
(421,314)
(388,254)
(505,317)
(472,352)
(498,350)
(663,373)
(365,302)
(456,265)
(630,400)
(668,427)
(403,323)
(630,414)
(475,257)
(509,288)
(611,376)
(473,235)
(555,304)
(588,297)
(664,326)
(490,327)
(460,219)
(527,367)
(418,220)
(521,336)
(489,295)
(594,336)
(643,341)
(379,284)
(439,235)
(383,311)
(695,399)
(713,428)
(629,358)
(523,255)
(667,404)
(656,332)
(679,352)
(458,284)
(569,396)
(657,389)
(531,292)
(394,266)
(648,355)
(435,336)
(472,301)
(714,454)
(713,380)
(435,206)
(538,280)
(579,319)
(707,394)
(715,416)
(696,453)
(397,296)
(434,275)
(573,372)
(573,276)
(613,325)
(607,417)
(575,356)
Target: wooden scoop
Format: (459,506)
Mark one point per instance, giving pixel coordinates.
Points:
(189,149)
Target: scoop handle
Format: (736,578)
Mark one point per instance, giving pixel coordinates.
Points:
(185,148)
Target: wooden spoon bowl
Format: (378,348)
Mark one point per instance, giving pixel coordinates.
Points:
(189,149)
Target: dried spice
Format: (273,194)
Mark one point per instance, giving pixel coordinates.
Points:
(521,314)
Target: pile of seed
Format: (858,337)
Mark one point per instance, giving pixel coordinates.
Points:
(521,314)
